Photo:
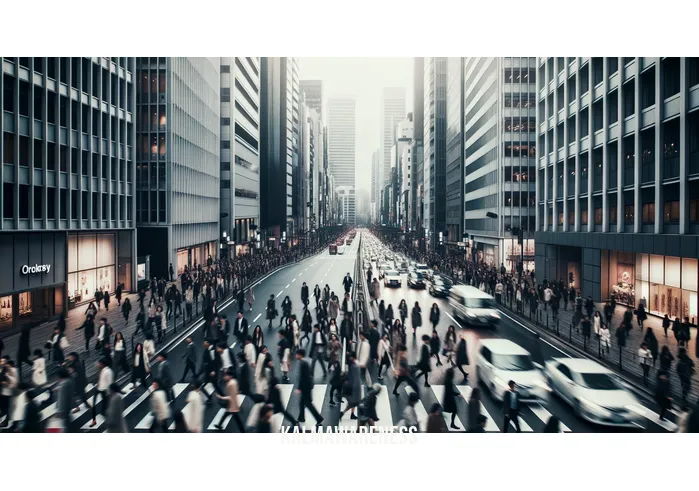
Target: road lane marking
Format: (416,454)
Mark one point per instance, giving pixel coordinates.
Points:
(292,281)
(288,285)
(419,410)
(438,391)
(544,415)
(258,316)
(147,421)
(218,419)
(285,391)
(280,292)
(457,322)
(490,425)
(534,332)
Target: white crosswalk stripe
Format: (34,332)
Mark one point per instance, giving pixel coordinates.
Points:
(438,391)
(490,425)
(318,395)
(543,414)
(50,410)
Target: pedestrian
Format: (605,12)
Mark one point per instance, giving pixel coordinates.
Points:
(104,380)
(641,315)
(434,316)
(304,389)
(663,395)
(114,421)
(666,360)
(120,354)
(645,358)
(98,299)
(510,406)
(449,345)
(403,311)
(666,324)
(597,324)
(284,353)
(159,408)
(652,343)
(450,395)
(171,272)
(318,344)
(76,370)
(274,398)
(286,310)
(685,370)
(250,298)
(106,299)
(604,339)
(352,390)
(261,379)
(416,318)
(474,409)
(140,366)
(435,346)
(409,417)
(23,350)
(435,421)
(423,366)
(190,359)
(585,326)
(39,369)
(271,311)
(194,418)
(462,356)
(64,401)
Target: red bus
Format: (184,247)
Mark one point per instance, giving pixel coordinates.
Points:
(332,249)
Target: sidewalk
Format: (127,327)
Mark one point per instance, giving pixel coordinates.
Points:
(627,364)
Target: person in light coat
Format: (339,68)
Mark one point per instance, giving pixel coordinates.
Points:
(195,412)
(645,358)
(261,383)
(333,307)
(409,418)
(597,323)
(297,332)
(249,350)
(159,408)
(284,356)
(148,349)
(232,405)
(605,338)
(250,298)
(363,352)
(384,350)
(114,422)
(39,369)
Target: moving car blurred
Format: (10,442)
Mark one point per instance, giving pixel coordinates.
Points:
(473,307)
(440,286)
(500,360)
(402,267)
(416,279)
(593,391)
(392,278)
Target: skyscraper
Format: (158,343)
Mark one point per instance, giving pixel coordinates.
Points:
(499,142)
(455,152)
(240,154)
(392,113)
(69,184)
(313,90)
(341,149)
(415,218)
(178,125)
(279,134)
(375,195)
(434,166)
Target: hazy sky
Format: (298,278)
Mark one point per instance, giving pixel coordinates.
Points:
(363,79)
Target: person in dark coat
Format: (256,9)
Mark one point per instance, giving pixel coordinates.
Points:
(553,425)
(416,317)
(641,315)
(336,381)
(32,415)
(652,343)
(77,371)
(462,357)
(423,365)
(663,394)
(244,375)
(367,407)
(666,324)
(352,387)
(434,346)
(666,359)
(304,388)
(117,294)
(275,399)
(434,315)
(271,311)
(450,395)
(61,323)
(474,409)
(23,351)
(106,299)
(126,311)
(685,369)
(304,295)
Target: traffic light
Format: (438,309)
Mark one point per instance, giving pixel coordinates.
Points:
(517,231)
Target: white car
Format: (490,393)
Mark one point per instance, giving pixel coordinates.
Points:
(594,392)
(422,268)
(392,278)
(500,360)
(473,307)
(383,267)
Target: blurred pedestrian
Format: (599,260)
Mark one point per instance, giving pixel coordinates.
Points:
(645,359)
(114,421)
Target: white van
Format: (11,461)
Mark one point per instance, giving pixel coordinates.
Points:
(473,307)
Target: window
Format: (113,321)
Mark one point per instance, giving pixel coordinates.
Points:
(520,149)
(583,120)
(648,88)
(584,79)
(51,203)
(225,94)
(597,70)
(85,204)
(648,215)
(613,107)
(225,69)
(564,371)
(74,204)
(64,204)
(612,215)
(38,202)
(597,116)
(628,214)
(225,184)
(671,76)
(8,200)
(23,201)
(244,193)
(225,144)
(225,121)
(629,89)
(612,65)
(583,216)
(672,212)
(693,210)
(598,216)
(520,75)
(520,124)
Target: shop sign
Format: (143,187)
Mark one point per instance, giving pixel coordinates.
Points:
(36,269)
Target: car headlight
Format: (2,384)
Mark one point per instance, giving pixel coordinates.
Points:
(543,385)
(500,382)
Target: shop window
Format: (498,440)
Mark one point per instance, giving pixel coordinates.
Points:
(672,212)
(648,213)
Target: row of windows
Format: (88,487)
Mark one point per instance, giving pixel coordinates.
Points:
(245,193)
(520,124)
(80,203)
(490,201)
(519,149)
(78,161)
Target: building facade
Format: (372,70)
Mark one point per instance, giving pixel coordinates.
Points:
(618,187)
(240,154)
(417,151)
(178,167)
(392,112)
(455,153)
(313,90)
(404,135)
(68,184)
(434,138)
(279,150)
(499,154)
(341,150)
(374,184)
(346,202)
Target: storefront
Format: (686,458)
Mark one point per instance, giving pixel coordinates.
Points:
(195,255)
(664,284)
(32,288)
(91,266)
(513,254)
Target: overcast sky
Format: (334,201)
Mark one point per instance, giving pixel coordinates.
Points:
(363,79)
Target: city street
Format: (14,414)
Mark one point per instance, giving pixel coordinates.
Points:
(330,269)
